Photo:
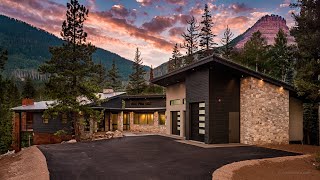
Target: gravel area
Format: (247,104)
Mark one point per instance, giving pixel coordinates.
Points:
(283,168)
(29,164)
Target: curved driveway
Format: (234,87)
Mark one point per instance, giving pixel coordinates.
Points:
(144,157)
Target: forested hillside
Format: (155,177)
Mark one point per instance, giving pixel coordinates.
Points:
(28,48)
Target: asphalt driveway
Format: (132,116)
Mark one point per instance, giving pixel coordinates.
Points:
(144,157)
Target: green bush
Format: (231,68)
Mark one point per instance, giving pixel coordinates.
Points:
(25,139)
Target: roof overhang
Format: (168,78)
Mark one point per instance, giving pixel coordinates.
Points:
(179,75)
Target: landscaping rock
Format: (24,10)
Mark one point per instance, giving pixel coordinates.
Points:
(109,134)
(118,134)
(72,141)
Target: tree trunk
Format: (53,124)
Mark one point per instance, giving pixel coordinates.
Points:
(76,125)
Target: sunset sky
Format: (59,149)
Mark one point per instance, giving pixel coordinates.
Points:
(152,25)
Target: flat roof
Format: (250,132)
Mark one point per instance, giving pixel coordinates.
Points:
(43,105)
(179,75)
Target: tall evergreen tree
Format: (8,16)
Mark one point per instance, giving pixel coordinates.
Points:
(206,34)
(307,35)
(9,97)
(226,43)
(191,39)
(255,52)
(3,58)
(137,82)
(114,79)
(72,72)
(29,91)
(175,60)
(102,76)
(280,57)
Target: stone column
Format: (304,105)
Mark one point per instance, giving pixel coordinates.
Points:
(182,124)
(156,119)
(120,121)
(168,122)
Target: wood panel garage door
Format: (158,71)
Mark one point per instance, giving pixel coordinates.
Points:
(197,118)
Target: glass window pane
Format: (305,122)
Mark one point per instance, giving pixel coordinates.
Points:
(136,119)
(162,119)
(150,119)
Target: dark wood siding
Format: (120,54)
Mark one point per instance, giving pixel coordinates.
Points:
(51,127)
(113,103)
(224,98)
(197,90)
(145,102)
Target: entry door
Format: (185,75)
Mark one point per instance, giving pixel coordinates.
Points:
(126,121)
(197,118)
(234,127)
(175,118)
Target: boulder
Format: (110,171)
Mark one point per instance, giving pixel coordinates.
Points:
(117,134)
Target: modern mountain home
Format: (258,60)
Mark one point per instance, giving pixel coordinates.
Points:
(218,101)
(121,112)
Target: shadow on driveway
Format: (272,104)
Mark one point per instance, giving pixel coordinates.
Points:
(144,157)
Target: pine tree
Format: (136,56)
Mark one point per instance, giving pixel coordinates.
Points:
(114,79)
(102,76)
(307,36)
(255,52)
(175,60)
(280,57)
(9,97)
(191,39)
(3,58)
(226,43)
(29,91)
(72,73)
(206,34)
(137,82)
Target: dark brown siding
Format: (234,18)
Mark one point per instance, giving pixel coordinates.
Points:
(145,102)
(53,126)
(113,103)
(224,98)
(197,90)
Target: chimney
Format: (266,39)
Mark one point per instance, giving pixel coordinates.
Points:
(27,102)
(108,91)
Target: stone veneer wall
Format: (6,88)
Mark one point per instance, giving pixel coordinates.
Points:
(264,112)
(155,128)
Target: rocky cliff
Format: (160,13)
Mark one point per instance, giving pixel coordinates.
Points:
(269,26)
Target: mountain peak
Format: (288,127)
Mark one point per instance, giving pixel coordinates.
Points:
(269,26)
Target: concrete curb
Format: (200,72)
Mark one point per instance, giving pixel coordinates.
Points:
(226,172)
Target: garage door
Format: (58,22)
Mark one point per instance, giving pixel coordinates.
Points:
(197,117)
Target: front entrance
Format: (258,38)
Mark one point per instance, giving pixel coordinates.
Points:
(197,119)
(234,127)
(175,119)
(126,121)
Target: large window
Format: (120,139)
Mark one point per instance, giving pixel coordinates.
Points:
(143,118)
(162,118)
(114,120)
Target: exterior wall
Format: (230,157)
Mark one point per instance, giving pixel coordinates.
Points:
(264,112)
(52,126)
(176,91)
(153,102)
(224,101)
(295,120)
(197,85)
(155,128)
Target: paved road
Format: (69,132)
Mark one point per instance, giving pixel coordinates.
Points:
(144,157)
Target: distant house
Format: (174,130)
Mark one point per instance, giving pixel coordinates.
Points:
(215,100)
(121,112)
